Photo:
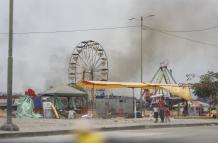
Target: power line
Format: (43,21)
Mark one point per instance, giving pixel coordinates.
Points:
(109,28)
(189,31)
(122,27)
(70,31)
(180,37)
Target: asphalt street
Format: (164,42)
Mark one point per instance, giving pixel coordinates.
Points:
(203,134)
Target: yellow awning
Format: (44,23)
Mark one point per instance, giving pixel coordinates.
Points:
(106,84)
(175,89)
(181,91)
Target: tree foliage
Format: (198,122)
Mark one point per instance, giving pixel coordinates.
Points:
(207,87)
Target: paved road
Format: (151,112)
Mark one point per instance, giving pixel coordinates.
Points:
(165,135)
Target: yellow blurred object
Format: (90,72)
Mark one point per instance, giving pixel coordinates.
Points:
(89,137)
(2,114)
(55,111)
(213,113)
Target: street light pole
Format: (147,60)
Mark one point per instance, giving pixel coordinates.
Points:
(141,42)
(9,126)
(141,25)
(141,51)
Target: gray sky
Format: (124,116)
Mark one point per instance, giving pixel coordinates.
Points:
(41,60)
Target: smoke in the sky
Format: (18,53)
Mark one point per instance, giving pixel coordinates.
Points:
(41,60)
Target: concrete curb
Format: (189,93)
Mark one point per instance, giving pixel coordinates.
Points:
(67,132)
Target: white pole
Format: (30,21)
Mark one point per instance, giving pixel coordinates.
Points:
(134,103)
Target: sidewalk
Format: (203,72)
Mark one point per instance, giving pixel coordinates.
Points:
(42,127)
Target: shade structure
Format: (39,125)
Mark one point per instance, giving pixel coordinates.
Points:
(175,89)
(181,91)
(63,90)
(197,103)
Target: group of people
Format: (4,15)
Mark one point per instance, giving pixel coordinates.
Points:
(161,110)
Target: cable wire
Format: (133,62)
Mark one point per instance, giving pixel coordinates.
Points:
(121,27)
(180,37)
(70,31)
(189,31)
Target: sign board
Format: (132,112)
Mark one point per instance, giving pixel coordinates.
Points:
(100,93)
(47,109)
(47,105)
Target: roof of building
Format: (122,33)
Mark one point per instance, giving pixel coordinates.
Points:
(63,90)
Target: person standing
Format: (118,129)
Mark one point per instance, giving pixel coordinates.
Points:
(161,105)
(155,110)
(167,114)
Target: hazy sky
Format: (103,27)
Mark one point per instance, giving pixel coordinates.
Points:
(41,60)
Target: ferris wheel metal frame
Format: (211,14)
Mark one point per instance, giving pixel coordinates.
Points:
(88,62)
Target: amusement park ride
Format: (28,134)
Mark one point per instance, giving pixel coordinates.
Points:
(88,69)
(164,75)
(88,62)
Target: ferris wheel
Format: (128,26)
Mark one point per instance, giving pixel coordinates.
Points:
(88,62)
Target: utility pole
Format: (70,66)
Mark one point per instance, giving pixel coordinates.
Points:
(141,51)
(141,61)
(141,42)
(141,55)
(9,126)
